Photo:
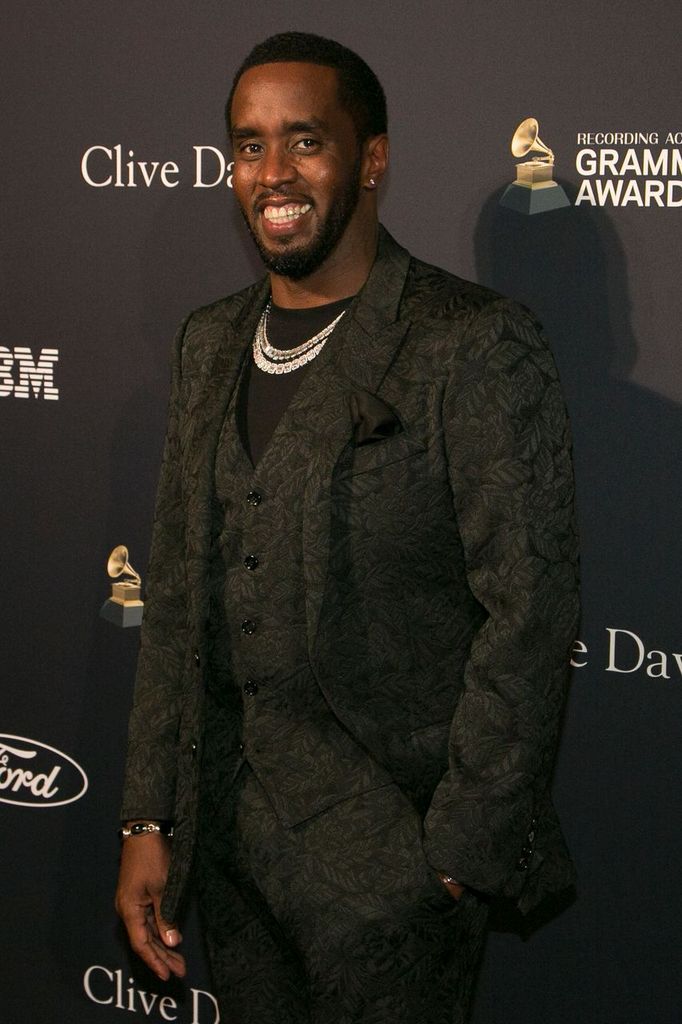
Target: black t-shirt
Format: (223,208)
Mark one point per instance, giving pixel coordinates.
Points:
(264,397)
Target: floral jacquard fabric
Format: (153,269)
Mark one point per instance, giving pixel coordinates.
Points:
(337,921)
(440,568)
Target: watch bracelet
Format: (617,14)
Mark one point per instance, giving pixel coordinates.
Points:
(143,828)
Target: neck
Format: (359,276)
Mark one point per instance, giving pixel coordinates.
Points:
(343,273)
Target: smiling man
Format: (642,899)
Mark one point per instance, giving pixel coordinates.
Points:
(362,595)
(302,213)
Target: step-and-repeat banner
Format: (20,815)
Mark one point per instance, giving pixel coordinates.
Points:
(118,217)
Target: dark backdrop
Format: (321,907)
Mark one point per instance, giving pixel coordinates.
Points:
(96,280)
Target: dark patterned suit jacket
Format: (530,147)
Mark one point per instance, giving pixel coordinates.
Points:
(440,567)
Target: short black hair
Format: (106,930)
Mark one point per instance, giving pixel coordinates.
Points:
(360,90)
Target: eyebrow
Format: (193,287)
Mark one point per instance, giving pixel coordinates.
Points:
(313,124)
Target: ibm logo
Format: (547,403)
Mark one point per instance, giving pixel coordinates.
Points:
(22,376)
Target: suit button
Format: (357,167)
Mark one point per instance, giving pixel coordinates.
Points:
(248,626)
(254,497)
(251,687)
(197,659)
(241,748)
(251,562)
(193,748)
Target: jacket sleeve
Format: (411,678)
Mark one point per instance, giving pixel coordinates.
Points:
(149,789)
(508,450)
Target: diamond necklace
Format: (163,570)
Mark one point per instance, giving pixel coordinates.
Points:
(285,360)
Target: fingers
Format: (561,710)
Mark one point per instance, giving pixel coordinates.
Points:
(168,933)
(454,888)
(146,942)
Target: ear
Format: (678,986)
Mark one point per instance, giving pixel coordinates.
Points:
(375,161)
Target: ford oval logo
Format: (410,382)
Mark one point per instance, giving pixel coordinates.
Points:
(33,774)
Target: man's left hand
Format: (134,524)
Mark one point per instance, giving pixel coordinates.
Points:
(453,887)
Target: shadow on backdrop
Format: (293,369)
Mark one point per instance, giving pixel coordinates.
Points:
(570,268)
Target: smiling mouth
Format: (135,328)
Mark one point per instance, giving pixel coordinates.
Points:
(285,214)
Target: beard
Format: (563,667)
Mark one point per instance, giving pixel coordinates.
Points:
(300,263)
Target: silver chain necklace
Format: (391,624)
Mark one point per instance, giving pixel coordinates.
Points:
(285,360)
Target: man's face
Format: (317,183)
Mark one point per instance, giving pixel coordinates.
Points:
(297,164)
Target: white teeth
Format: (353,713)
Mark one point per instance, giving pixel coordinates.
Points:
(280,214)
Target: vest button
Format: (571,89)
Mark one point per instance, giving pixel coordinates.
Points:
(248,626)
(254,497)
(251,687)
(251,562)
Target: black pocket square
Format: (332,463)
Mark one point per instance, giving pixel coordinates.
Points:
(373,420)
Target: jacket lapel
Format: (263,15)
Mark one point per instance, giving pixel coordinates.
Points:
(225,343)
(360,354)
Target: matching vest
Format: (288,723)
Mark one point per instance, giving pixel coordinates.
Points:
(264,704)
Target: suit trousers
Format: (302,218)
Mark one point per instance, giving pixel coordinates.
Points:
(338,920)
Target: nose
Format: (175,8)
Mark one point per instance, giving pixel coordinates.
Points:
(277,167)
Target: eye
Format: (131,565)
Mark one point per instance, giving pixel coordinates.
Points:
(306,145)
(250,149)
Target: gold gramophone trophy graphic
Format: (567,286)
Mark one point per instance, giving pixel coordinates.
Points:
(124,607)
(534,190)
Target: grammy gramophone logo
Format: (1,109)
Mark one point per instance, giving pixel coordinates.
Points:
(534,190)
(124,607)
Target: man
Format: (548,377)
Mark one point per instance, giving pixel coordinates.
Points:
(361,597)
